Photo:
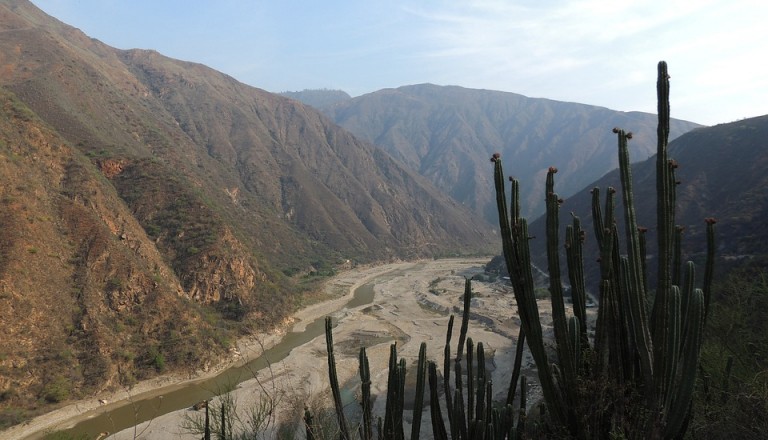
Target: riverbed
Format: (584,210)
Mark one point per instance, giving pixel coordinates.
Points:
(404,302)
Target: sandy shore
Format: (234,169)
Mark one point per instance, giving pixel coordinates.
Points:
(412,304)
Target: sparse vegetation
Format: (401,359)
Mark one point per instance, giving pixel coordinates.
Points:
(732,390)
(58,390)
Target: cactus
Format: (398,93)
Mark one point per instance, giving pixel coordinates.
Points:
(652,354)
(334,380)
(223,426)
(418,403)
(309,423)
(472,417)
(207,426)
(635,377)
(365,398)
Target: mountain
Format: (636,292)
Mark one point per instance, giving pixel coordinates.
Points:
(154,208)
(87,298)
(722,175)
(318,98)
(447,134)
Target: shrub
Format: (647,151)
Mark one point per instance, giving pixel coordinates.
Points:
(57,390)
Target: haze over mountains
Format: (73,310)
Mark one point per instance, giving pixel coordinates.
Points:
(447,134)
(151,206)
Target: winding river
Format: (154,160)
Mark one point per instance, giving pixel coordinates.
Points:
(142,407)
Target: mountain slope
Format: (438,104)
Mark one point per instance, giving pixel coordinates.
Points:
(448,134)
(722,175)
(160,204)
(318,98)
(219,134)
(86,299)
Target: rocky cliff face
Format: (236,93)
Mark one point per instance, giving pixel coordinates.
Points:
(86,298)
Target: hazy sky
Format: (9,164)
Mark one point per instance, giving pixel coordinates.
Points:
(600,52)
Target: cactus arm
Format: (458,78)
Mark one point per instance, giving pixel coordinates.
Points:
(207,428)
(309,423)
(678,411)
(400,400)
(519,347)
(459,428)
(470,383)
(559,321)
(639,334)
(643,253)
(574,336)
(418,404)
(447,371)
(334,380)
(664,215)
(677,257)
(480,408)
(438,426)
(458,403)
(365,381)
(597,217)
(670,348)
(687,289)
(575,237)
(223,433)
(631,268)
(709,268)
(517,258)
(521,418)
(464,319)
(393,387)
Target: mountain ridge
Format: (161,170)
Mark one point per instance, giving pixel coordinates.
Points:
(446,133)
(189,208)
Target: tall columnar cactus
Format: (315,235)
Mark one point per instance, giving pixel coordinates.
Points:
(309,424)
(365,398)
(470,413)
(333,377)
(418,400)
(207,426)
(473,415)
(634,379)
(647,357)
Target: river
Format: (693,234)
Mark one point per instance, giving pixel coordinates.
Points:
(142,407)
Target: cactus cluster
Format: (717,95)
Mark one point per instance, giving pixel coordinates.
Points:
(642,362)
(633,378)
(469,412)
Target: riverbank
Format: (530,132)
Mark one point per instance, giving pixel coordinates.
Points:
(412,303)
(340,288)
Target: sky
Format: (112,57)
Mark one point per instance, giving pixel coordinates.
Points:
(598,52)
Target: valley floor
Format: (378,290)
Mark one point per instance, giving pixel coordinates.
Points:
(412,303)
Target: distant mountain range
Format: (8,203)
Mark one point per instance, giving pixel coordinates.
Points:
(447,134)
(319,98)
